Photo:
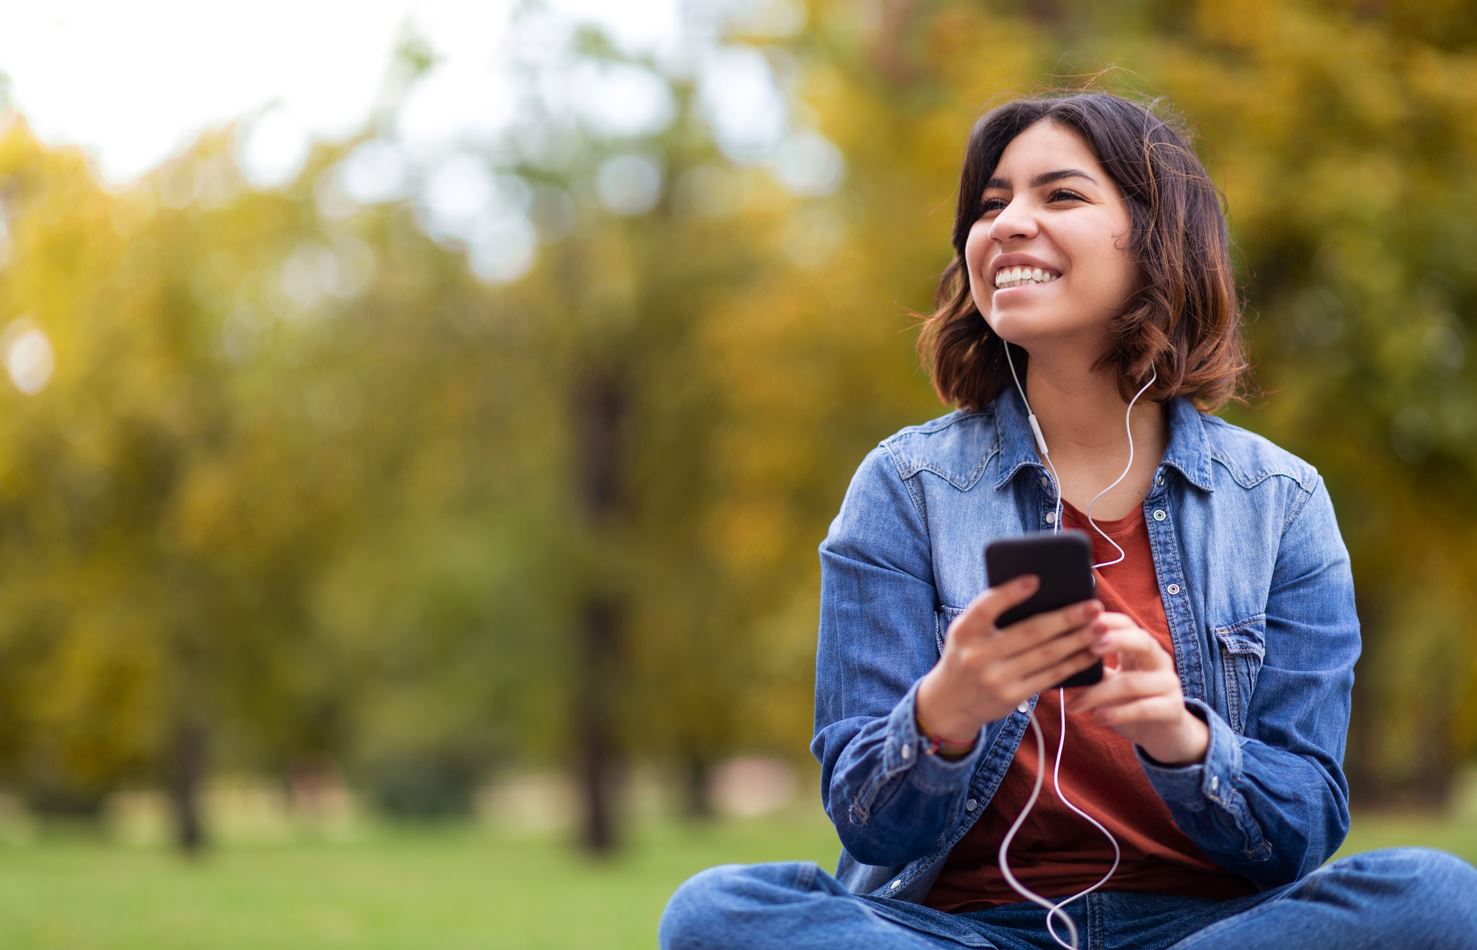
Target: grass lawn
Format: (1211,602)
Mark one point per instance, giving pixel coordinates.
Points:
(450,887)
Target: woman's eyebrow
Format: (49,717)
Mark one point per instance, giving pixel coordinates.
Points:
(1045,178)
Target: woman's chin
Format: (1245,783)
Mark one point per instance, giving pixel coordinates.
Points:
(1013,330)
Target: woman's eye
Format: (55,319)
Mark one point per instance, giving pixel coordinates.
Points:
(991,205)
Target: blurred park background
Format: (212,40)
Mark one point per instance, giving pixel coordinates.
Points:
(409,501)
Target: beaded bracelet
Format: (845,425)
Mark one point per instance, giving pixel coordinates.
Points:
(932,745)
(949,748)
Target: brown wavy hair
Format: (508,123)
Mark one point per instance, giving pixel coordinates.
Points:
(1183,320)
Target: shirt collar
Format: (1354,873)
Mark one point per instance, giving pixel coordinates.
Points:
(1188,450)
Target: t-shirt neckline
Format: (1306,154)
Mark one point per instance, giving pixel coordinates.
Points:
(1117,527)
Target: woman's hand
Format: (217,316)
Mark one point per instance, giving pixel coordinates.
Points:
(985,671)
(1141,700)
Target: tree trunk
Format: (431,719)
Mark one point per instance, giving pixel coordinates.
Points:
(600,414)
(597,755)
(1434,774)
(186,777)
(697,804)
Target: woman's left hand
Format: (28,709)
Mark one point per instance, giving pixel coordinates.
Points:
(1141,700)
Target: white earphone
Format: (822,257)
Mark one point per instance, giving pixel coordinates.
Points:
(1054,910)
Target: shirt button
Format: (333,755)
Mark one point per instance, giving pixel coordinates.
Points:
(1159,480)
(895,885)
(1174,589)
(906,752)
(1051,517)
(971,805)
(1024,706)
(1045,482)
(1215,782)
(1159,514)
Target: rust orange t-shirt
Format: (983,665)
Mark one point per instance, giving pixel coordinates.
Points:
(1057,853)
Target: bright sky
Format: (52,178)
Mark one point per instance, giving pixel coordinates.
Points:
(134,83)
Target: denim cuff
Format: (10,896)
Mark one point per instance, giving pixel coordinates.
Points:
(906,747)
(1191,786)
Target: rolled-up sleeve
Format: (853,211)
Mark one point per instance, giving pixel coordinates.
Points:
(890,802)
(1273,804)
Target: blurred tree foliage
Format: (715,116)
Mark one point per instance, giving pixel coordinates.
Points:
(302,489)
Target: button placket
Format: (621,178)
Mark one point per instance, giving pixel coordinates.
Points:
(1048,501)
(1189,662)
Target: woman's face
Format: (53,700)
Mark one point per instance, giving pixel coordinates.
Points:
(1048,259)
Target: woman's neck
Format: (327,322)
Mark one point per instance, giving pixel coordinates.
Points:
(1084,415)
(1081,415)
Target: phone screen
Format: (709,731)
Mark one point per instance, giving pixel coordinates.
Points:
(1063,562)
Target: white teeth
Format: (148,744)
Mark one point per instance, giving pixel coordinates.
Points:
(1018,276)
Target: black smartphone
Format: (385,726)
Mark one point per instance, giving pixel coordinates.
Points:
(1063,562)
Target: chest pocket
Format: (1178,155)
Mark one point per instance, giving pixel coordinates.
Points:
(942,618)
(1243,647)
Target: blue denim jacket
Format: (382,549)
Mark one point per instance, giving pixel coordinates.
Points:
(1260,601)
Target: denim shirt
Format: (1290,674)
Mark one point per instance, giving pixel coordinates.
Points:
(1257,590)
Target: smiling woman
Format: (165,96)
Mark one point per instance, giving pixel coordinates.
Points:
(1087,273)
(1155,232)
(1090,303)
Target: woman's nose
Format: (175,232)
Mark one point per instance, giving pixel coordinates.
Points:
(1015,220)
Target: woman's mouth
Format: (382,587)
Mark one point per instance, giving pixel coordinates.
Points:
(1008,278)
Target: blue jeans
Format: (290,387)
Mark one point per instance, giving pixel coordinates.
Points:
(1405,897)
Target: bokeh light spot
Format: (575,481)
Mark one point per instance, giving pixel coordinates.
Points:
(29,358)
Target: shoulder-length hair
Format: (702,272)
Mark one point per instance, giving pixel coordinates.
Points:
(1183,320)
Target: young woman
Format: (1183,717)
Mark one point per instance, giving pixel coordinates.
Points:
(1085,328)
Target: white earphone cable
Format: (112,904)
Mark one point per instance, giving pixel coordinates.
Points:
(1056,778)
(1056,910)
(1052,910)
(1128,428)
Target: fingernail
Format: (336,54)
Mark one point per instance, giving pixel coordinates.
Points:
(1028,582)
(1100,628)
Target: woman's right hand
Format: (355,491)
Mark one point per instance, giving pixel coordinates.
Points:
(985,671)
